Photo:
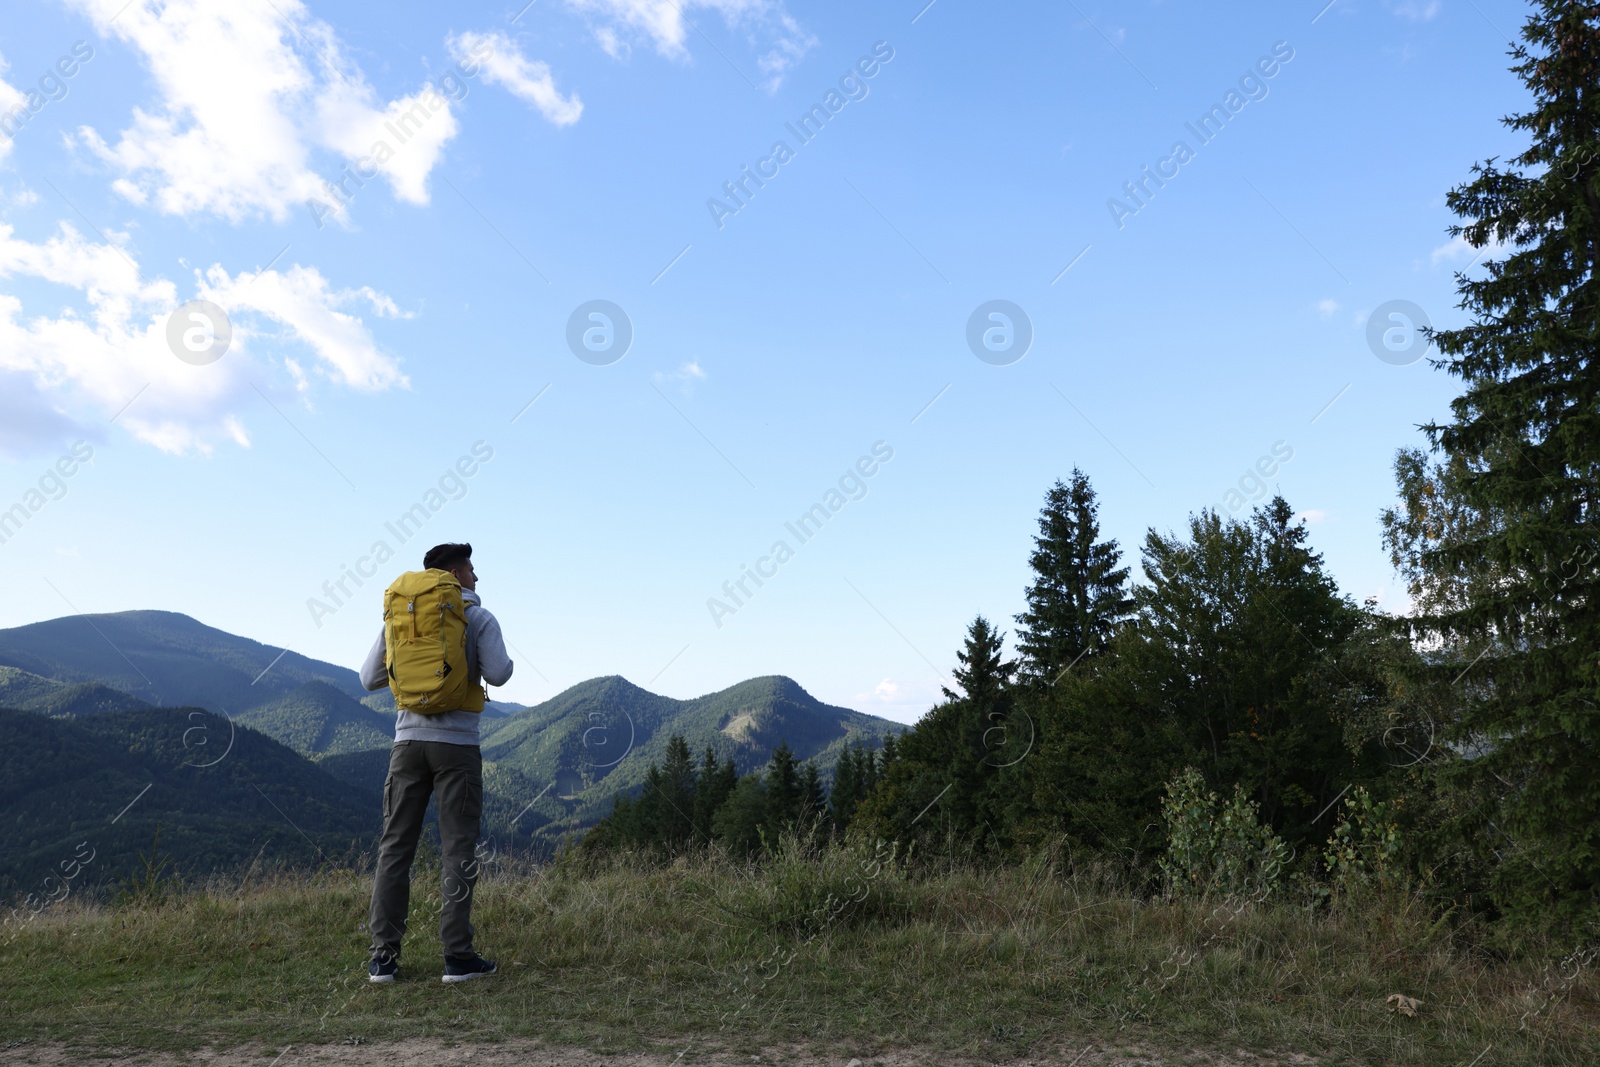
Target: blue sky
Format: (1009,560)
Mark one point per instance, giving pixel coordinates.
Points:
(577,150)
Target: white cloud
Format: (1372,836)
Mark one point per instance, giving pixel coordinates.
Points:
(668,22)
(115,351)
(660,20)
(246,93)
(10,97)
(348,122)
(792,45)
(1416,10)
(384,306)
(610,43)
(301,301)
(1327,308)
(687,374)
(529,80)
(900,701)
(1457,249)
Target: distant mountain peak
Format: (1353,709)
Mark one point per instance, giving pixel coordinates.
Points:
(615,682)
(167,658)
(597,739)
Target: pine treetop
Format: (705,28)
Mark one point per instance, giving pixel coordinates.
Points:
(1079,593)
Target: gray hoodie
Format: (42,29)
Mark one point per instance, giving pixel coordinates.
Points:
(486,659)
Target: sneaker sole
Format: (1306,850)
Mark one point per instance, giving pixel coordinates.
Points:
(380,979)
(453,978)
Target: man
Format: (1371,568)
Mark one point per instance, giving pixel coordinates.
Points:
(435,754)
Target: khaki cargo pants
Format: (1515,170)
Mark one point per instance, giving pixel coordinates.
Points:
(452,775)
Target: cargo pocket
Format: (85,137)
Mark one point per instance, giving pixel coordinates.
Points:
(472,798)
(388,791)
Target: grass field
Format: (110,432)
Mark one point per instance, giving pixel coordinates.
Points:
(843,948)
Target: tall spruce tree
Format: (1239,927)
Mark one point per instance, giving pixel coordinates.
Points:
(848,787)
(813,799)
(982,737)
(854,776)
(939,779)
(1079,594)
(666,804)
(1499,539)
(984,674)
(785,792)
(712,787)
(739,825)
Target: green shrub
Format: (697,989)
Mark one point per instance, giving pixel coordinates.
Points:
(1364,851)
(1216,848)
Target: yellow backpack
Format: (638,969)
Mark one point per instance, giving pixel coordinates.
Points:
(425,642)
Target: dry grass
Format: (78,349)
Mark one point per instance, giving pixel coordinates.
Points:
(820,949)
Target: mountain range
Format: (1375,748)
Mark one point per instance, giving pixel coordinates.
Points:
(598,738)
(165,658)
(246,751)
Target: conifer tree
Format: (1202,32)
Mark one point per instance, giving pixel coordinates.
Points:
(674,796)
(741,822)
(813,798)
(713,785)
(983,673)
(1499,538)
(619,828)
(1079,594)
(938,780)
(784,796)
(853,778)
(847,788)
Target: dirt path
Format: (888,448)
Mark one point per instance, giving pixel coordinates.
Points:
(432,1052)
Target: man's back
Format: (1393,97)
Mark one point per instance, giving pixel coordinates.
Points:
(487,660)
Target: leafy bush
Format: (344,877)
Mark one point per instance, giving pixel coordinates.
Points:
(1216,848)
(1364,851)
